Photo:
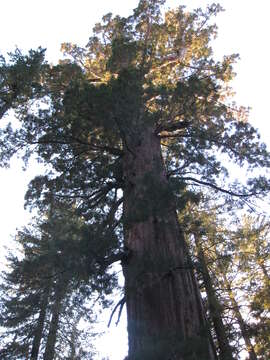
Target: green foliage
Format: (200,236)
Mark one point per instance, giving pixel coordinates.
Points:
(170,81)
(236,252)
(252,244)
(63,261)
(147,76)
(20,79)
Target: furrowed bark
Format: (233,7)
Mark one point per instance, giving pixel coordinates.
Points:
(164,310)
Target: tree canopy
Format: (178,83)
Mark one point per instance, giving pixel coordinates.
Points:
(162,65)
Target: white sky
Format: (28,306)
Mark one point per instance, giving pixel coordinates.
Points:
(243,28)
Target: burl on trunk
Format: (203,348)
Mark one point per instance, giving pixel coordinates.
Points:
(164,311)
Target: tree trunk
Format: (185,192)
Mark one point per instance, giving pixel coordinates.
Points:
(40,324)
(164,309)
(54,323)
(215,308)
(73,342)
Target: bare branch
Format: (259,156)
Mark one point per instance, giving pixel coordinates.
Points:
(218,188)
(120,304)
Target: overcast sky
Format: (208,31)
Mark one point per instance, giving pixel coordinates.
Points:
(243,29)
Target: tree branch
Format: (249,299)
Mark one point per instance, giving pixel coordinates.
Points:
(121,256)
(120,304)
(218,188)
(173,126)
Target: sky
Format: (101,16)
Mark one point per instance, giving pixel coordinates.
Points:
(243,29)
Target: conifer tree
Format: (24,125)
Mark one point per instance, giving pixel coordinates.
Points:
(132,120)
(229,278)
(41,289)
(20,78)
(22,300)
(252,241)
(203,228)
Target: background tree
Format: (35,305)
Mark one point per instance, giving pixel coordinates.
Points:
(251,240)
(24,298)
(227,256)
(20,78)
(45,293)
(203,225)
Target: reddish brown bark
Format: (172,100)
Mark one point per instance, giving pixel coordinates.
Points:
(165,316)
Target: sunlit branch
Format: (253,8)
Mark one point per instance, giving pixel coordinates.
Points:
(170,127)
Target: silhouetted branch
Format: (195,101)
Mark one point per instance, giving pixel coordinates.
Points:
(120,304)
(218,188)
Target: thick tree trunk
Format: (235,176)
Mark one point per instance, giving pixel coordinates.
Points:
(54,323)
(40,324)
(215,308)
(164,310)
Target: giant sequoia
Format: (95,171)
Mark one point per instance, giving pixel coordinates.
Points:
(126,125)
